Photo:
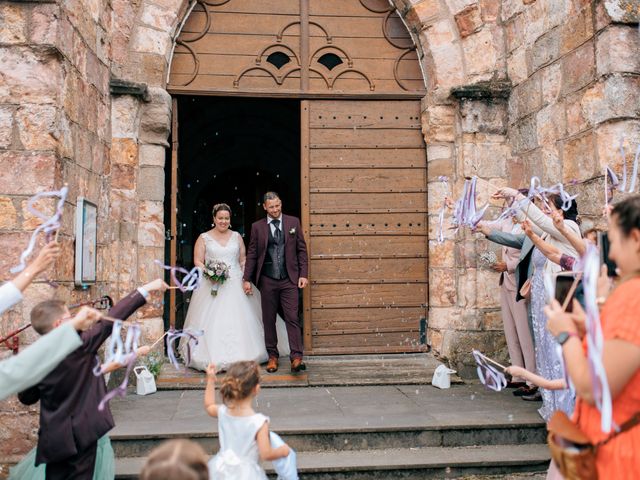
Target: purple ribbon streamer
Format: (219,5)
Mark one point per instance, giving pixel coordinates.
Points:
(118,351)
(490,377)
(191,280)
(466,211)
(536,189)
(173,335)
(49,225)
(120,390)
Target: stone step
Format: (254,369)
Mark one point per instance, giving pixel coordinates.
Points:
(406,463)
(330,370)
(318,419)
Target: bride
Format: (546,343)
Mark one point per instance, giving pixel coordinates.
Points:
(231,320)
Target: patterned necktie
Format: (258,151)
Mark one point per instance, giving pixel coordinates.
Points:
(276,232)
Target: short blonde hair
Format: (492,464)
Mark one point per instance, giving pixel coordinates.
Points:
(176,460)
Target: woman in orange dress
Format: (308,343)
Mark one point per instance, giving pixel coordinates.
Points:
(620,317)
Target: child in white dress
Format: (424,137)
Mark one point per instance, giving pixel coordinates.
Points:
(243,433)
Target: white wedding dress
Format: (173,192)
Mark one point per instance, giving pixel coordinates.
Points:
(231,320)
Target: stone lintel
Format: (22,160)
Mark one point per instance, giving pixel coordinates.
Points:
(490,90)
(126,87)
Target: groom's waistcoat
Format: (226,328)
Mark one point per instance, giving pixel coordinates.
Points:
(274,262)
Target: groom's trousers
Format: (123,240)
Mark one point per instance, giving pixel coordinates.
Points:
(274,294)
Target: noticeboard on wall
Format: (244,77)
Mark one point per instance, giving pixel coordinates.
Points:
(86,242)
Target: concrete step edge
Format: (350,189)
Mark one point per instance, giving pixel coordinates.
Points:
(535,455)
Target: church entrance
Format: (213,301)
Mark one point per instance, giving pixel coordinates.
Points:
(320,101)
(232,150)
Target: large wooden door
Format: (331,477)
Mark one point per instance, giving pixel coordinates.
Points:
(367,225)
(356,71)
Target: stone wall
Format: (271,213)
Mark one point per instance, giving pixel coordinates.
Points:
(515,88)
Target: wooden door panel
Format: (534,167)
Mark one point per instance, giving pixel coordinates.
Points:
(366,270)
(380,138)
(369,180)
(368,157)
(373,295)
(370,246)
(369,341)
(368,224)
(371,319)
(367,203)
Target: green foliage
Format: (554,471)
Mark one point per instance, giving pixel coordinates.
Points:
(154,362)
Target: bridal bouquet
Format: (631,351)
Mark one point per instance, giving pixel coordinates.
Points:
(218,272)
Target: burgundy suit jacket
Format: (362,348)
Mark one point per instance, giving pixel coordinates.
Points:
(69,396)
(295,250)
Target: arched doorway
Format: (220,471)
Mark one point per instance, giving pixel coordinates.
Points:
(349,69)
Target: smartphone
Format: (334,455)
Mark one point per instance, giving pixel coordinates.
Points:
(603,245)
(564,281)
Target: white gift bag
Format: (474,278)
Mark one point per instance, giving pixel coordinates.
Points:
(145,383)
(441,377)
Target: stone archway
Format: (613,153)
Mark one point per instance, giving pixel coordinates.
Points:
(463,118)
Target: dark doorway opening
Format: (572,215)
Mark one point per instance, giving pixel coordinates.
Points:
(232,150)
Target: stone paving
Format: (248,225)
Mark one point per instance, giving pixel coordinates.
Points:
(300,409)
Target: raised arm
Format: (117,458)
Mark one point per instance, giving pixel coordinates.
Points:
(210,405)
(501,238)
(551,252)
(576,241)
(198,253)
(537,380)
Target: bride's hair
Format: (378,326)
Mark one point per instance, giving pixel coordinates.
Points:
(239,382)
(221,207)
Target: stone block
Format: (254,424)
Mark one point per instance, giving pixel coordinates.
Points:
(43,24)
(124,151)
(551,82)
(467,288)
(442,287)
(576,120)
(535,22)
(623,11)
(8,214)
(578,68)
(511,8)
(517,66)
(124,205)
(545,49)
(151,184)
(39,172)
(441,255)
(550,123)
(523,135)
(37,126)
(439,152)
(33,76)
(445,318)
(483,116)
(514,32)
(616,50)
(614,97)
(159,17)
(469,20)
(147,268)
(492,320)
(6,126)
(13,24)
(155,117)
(152,155)
(488,291)
(455,6)
(44,205)
(490,10)
(609,137)
(422,13)
(577,28)
(151,228)
(480,53)
(526,98)
(123,177)
(149,40)
(485,159)
(578,158)
(125,117)
(438,123)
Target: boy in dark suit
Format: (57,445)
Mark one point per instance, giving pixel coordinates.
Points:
(70,423)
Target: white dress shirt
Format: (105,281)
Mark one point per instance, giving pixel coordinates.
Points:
(272,226)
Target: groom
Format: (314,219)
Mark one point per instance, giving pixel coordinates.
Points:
(277,263)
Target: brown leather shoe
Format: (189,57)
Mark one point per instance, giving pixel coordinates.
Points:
(272,365)
(297,365)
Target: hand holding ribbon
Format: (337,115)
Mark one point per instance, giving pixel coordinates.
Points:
(490,372)
(190,281)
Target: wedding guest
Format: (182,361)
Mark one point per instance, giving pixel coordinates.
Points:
(244,434)
(591,235)
(618,458)
(514,312)
(176,460)
(31,365)
(11,291)
(548,365)
(70,422)
(550,251)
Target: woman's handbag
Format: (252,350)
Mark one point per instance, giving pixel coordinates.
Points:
(571,450)
(525,290)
